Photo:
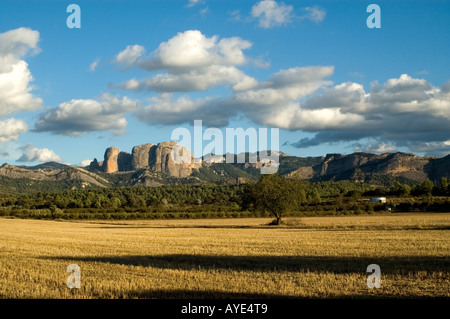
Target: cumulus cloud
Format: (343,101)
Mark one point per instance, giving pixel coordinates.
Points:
(166,110)
(38,155)
(11,128)
(213,76)
(272,101)
(15,77)
(191,61)
(130,55)
(293,99)
(187,50)
(402,112)
(77,117)
(267,102)
(271,14)
(405,111)
(15,44)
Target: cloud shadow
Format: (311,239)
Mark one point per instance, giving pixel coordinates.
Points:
(331,264)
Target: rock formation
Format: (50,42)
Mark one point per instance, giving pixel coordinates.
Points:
(171,158)
(140,156)
(110,164)
(358,165)
(94,165)
(115,161)
(166,157)
(124,161)
(174,160)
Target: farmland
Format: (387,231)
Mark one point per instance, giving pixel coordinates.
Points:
(308,257)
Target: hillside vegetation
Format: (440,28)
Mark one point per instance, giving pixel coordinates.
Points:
(236,200)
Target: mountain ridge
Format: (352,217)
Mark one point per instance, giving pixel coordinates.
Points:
(152,165)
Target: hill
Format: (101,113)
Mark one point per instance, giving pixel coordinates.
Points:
(152,165)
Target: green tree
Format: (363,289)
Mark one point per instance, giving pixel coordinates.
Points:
(425,188)
(443,186)
(400,190)
(277,195)
(315,197)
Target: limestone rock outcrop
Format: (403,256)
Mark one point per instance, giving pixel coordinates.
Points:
(110,164)
(171,158)
(116,160)
(140,156)
(167,157)
(94,165)
(357,166)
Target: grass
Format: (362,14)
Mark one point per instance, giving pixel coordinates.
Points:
(309,257)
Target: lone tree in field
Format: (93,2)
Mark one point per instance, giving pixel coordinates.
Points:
(277,195)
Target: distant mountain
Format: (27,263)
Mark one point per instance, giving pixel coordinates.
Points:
(49,166)
(152,165)
(47,177)
(367,167)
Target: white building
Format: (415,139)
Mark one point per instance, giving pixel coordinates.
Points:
(378,200)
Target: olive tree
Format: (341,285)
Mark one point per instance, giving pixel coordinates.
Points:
(277,195)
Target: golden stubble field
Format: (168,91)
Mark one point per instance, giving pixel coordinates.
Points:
(316,257)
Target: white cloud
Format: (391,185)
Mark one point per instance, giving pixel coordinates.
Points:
(11,128)
(39,155)
(193,81)
(235,15)
(315,14)
(347,96)
(299,98)
(404,111)
(165,110)
(265,102)
(375,147)
(83,116)
(192,62)
(282,88)
(271,14)
(15,77)
(192,49)
(130,55)
(84,163)
(192,3)
(94,65)
(15,44)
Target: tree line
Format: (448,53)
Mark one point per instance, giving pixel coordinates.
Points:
(272,195)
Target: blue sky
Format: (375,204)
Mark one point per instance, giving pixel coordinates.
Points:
(136,70)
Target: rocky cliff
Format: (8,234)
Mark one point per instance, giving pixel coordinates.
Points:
(153,165)
(166,157)
(358,166)
(140,156)
(53,173)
